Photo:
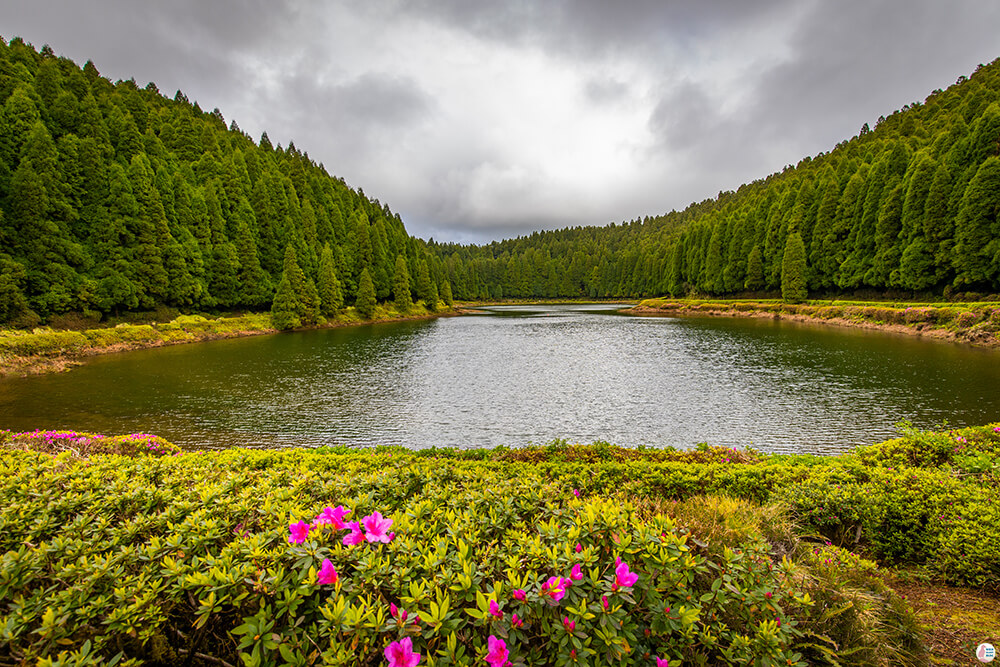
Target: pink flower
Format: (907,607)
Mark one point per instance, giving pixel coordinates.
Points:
(768,595)
(568,624)
(498,654)
(400,654)
(399,614)
(299,532)
(576,492)
(333,517)
(519,595)
(576,574)
(516,621)
(495,609)
(662,662)
(579,547)
(555,588)
(624,578)
(604,602)
(328,573)
(356,536)
(375,528)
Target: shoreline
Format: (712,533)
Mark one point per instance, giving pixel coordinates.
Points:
(62,350)
(979,334)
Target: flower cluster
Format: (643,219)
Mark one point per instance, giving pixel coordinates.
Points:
(372,528)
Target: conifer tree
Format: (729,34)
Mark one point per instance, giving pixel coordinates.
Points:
(977,228)
(254,285)
(331,296)
(285,308)
(432,297)
(306,300)
(446,295)
(793,269)
(401,285)
(424,283)
(365,301)
(755,270)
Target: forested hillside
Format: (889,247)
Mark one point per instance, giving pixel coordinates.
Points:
(910,206)
(116,198)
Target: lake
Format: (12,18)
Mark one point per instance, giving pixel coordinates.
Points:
(517,375)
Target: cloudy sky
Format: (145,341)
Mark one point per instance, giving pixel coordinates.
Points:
(483,120)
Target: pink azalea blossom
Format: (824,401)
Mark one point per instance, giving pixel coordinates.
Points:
(299,532)
(579,547)
(400,654)
(576,492)
(568,624)
(519,595)
(332,516)
(604,602)
(516,621)
(328,573)
(356,536)
(399,614)
(576,574)
(555,588)
(624,578)
(495,609)
(497,655)
(662,662)
(375,526)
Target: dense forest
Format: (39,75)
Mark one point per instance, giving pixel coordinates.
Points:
(909,207)
(117,198)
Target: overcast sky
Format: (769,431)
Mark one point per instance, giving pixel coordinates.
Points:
(482,120)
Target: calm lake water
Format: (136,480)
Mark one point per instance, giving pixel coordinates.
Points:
(519,375)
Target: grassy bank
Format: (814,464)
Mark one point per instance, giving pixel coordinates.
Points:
(555,555)
(976,323)
(45,349)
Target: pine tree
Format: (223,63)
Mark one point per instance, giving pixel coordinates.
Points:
(793,269)
(365,301)
(285,308)
(977,229)
(401,286)
(254,287)
(424,282)
(755,270)
(306,301)
(446,293)
(432,297)
(331,296)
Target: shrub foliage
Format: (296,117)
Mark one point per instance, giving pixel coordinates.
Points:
(127,550)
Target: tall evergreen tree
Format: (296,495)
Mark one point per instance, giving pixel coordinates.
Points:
(285,307)
(793,269)
(446,295)
(401,285)
(331,296)
(755,270)
(977,229)
(424,283)
(365,300)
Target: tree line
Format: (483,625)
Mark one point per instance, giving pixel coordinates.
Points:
(117,198)
(910,206)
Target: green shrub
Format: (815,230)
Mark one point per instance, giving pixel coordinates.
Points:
(160,558)
(42,342)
